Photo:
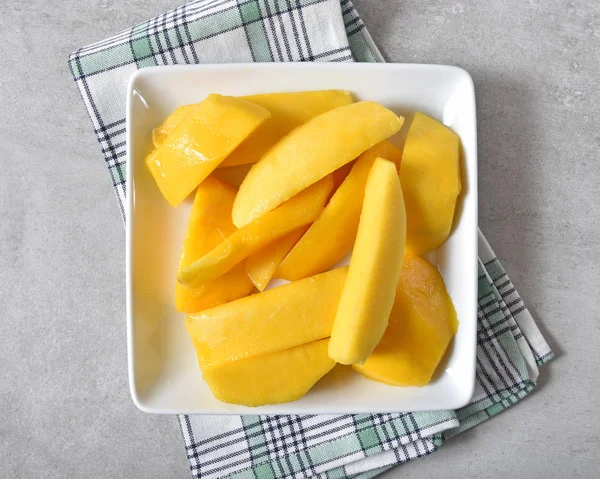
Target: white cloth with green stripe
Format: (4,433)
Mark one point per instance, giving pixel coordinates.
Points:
(510,346)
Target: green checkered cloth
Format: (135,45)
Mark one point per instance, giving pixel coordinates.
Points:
(509,345)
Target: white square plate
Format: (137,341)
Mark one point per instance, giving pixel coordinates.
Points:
(163,372)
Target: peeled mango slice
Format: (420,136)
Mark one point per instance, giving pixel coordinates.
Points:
(430,177)
(340,174)
(160,134)
(309,153)
(288,111)
(234,175)
(261,266)
(300,210)
(200,142)
(375,267)
(278,319)
(210,219)
(421,326)
(275,378)
(332,235)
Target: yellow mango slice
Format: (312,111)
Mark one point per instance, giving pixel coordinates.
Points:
(288,111)
(332,234)
(275,378)
(310,152)
(375,267)
(300,210)
(278,319)
(205,136)
(421,326)
(261,266)
(210,220)
(431,183)
(340,175)
(234,175)
(160,134)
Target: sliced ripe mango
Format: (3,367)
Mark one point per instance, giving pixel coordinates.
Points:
(340,174)
(431,183)
(332,235)
(288,111)
(205,136)
(421,326)
(261,266)
(280,318)
(300,210)
(375,266)
(210,220)
(234,175)
(160,134)
(310,152)
(275,378)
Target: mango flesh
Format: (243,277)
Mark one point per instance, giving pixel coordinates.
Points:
(421,326)
(309,153)
(275,378)
(160,134)
(332,235)
(210,219)
(261,266)
(300,210)
(288,111)
(375,267)
(278,319)
(341,174)
(200,142)
(430,177)
(233,175)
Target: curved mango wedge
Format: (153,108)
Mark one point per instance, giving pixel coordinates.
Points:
(300,210)
(430,177)
(288,111)
(210,219)
(234,175)
(160,134)
(261,266)
(278,319)
(275,378)
(310,152)
(332,235)
(375,267)
(200,142)
(341,174)
(421,326)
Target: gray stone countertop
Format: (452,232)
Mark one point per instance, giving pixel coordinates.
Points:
(65,409)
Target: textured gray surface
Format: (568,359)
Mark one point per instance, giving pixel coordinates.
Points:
(64,402)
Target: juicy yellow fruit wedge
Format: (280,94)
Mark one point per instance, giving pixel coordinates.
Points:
(261,266)
(300,210)
(160,134)
(288,111)
(430,177)
(341,174)
(234,175)
(278,319)
(310,152)
(205,136)
(421,326)
(275,378)
(332,235)
(375,267)
(210,219)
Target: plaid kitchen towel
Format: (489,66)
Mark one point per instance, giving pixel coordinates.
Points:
(510,346)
